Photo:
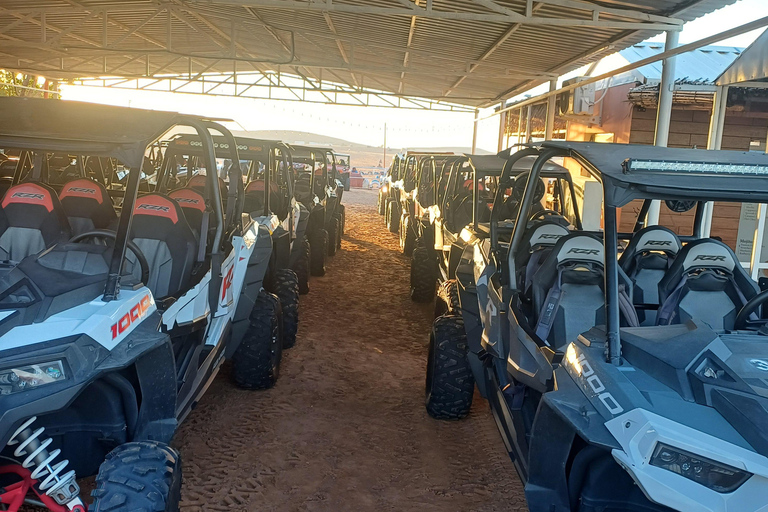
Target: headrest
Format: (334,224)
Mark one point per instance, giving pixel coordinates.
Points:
(707,253)
(546,234)
(29,193)
(157,205)
(657,238)
(579,247)
(83,187)
(200,181)
(258,186)
(188,198)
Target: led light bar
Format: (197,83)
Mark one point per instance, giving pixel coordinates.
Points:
(636,165)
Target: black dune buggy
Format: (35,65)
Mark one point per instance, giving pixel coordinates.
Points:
(389,194)
(599,406)
(263,165)
(117,309)
(417,197)
(318,189)
(464,191)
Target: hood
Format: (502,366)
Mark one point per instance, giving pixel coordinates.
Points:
(728,372)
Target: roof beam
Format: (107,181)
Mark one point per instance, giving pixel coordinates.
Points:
(407,56)
(508,16)
(495,46)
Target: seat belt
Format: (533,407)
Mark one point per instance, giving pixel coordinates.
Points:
(549,309)
(202,247)
(627,308)
(667,310)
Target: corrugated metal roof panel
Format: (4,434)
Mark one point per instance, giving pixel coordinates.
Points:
(752,64)
(702,65)
(472,62)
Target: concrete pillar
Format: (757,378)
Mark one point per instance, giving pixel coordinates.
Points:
(528,131)
(474,131)
(664,111)
(502,129)
(551,106)
(715,141)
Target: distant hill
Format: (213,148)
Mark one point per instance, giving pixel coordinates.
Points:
(361,155)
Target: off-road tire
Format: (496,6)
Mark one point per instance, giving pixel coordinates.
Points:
(319,248)
(423,274)
(333,235)
(256,362)
(393,217)
(381,205)
(287,290)
(407,236)
(142,476)
(339,232)
(301,266)
(448,298)
(343,216)
(450,384)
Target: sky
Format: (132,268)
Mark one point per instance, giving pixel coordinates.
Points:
(404,128)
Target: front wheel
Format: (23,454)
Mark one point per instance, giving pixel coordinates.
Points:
(382,204)
(393,217)
(143,475)
(256,363)
(333,235)
(287,290)
(423,274)
(319,248)
(450,384)
(301,266)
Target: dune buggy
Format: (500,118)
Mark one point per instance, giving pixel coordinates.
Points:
(263,166)
(318,189)
(464,190)
(597,411)
(116,316)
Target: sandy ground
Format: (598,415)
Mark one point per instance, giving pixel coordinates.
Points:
(345,427)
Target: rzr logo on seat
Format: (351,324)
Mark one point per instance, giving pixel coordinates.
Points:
(82,190)
(551,236)
(577,250)
(659,243)
(28,195)
(708,257)
(134,315)
(153,207)
(186,200)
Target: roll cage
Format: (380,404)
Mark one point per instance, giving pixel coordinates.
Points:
(116,134)
(628,172)
(274,155)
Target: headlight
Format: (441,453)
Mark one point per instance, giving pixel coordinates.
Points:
(384,189)
(715,475)
(31,376)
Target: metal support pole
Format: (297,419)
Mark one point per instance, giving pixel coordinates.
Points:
(474,131)
(612,317)
(528,130)
(715,141)
(551,105)
(519,125)
(664,112)
(502,130)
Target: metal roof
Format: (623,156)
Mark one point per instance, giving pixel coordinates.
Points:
(470,52)
(752,64)
(703,65)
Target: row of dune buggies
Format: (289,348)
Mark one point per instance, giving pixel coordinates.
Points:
(625,364)
(139,250)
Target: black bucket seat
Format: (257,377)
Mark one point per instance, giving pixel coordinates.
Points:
(31,219)
(87,205)
(648,256)
(707,283)
(161,231)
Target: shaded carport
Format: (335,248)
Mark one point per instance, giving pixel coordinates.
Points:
(433,53)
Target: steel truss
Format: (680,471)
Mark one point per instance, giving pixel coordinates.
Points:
(272,86)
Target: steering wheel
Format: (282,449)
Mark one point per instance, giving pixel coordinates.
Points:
(104,233)
(742,319)
(543,215)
